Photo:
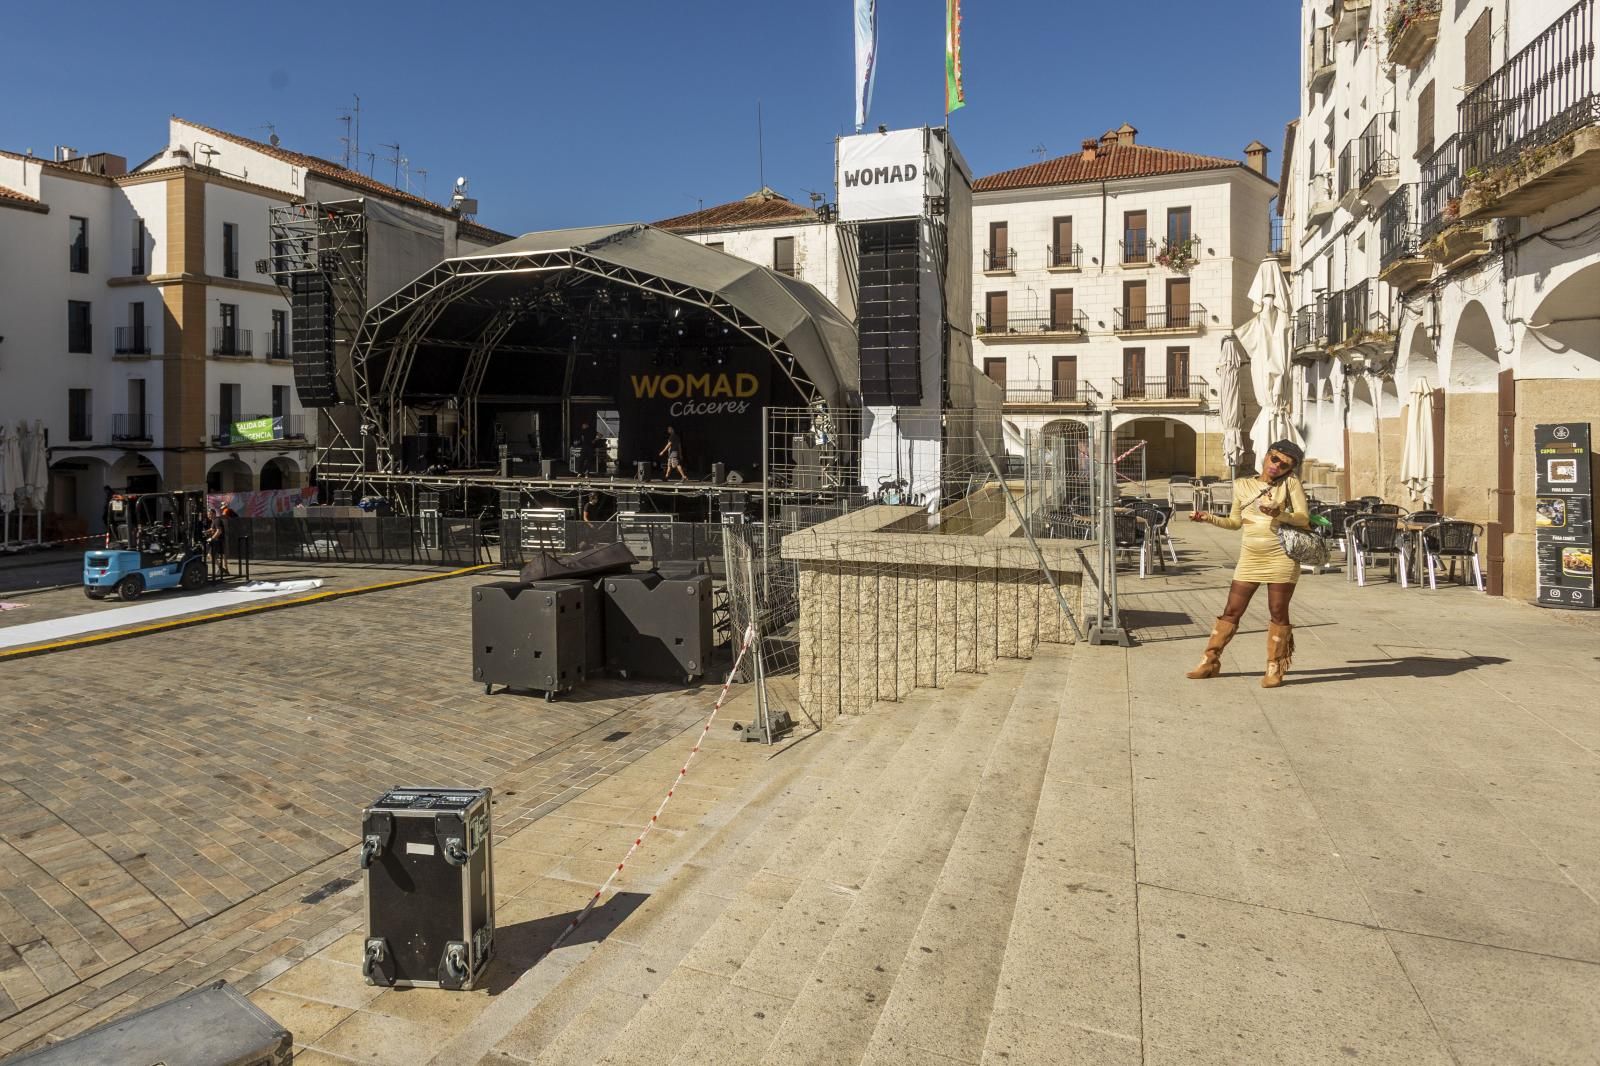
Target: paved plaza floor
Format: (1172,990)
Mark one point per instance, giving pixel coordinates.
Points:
(1081,858)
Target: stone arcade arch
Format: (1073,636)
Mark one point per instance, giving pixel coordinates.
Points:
(230,475)
(1562,338)
(280,472)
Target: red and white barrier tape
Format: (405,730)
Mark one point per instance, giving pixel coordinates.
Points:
(722,697)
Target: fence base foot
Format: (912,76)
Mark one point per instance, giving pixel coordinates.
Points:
(1108,635)
(781,724)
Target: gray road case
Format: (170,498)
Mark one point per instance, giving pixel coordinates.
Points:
(429,874)
(657,627)
(544,636)
(211,1026)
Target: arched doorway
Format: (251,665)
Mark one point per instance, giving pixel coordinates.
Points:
(1167,445)
(280,472)
(77,495)
(134,472)
(230,475)
(1477,395)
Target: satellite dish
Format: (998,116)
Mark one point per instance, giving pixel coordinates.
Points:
(273,140)
(461,183)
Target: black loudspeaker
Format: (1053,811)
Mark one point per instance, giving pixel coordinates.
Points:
(545,636)
(889,313)
(429,872)
(419,451)
(311,329)
(719,471)
(657,627)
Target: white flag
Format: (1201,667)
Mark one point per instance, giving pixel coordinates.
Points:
(866,57)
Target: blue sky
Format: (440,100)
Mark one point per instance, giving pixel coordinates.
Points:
(614,110)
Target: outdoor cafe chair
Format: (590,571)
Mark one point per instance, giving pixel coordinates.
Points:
(1157,523)
(1423,516)
(1452,540)
(1371,537)
(1181,489)
(1357,506)
(1129,537)
(1386,509)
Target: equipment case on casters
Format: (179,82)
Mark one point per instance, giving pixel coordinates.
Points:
(543,636)
(428,865)
(657,627)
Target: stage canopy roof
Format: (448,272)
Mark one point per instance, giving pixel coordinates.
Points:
(436,336)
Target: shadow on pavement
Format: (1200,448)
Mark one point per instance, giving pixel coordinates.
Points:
(1406,666)
(517,947)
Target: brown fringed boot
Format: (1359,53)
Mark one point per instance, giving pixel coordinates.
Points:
(1280,654)
(1211,661)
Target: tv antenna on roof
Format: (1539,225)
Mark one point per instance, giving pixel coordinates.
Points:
(1040,151)
(396,159)
(351,140)
(272,133)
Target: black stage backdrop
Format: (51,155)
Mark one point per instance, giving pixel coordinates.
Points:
(715,408)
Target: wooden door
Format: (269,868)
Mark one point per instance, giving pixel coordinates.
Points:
(1178,302)
(995,312)
(1061,251)
(1133,372)
(1502,515)
(1135,235)
(1060,309)
(1438,448)
(1064,374)
(1178,372)
(999,244)
(995,370)
(1133,304)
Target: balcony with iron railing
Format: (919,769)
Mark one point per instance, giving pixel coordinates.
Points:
(255,429)
(1439,191)
(996,261)
(131,340)
(1377,154)
(1357,315)
(230,342)
(1347,169)
(1529,135)
(1138,247)
(1321,58)
(1276,245)
(1184,390)
(1007,327)
(1183,318)
(277,348)
(1179,251)
(1400,241)
(1310,328)
(1061,393)
(1059,258)
(1323,200)
(132,427)
(1410,29)
(1349,17)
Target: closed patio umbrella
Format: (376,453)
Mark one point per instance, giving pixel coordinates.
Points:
(1416,455)
(10,469)
(1229,403)
(1267,338)
(36,471)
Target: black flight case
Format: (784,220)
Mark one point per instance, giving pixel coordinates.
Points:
(543,636)
(657,627)
(429,877)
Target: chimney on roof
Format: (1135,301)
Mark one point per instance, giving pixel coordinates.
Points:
(1090,147)
(1126,134)
(1255,157)
(1108,140)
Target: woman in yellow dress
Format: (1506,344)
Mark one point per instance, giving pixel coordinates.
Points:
(1260,505)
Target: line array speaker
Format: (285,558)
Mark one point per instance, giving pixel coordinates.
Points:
(311,329)
(889,313)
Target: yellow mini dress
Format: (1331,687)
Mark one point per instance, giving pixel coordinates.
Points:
(1261,557)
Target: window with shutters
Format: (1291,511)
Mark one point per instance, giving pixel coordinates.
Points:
(1477,49)
(1177,372)
(998,256)
(783,255)
(995,371)
(1135,237)
(1132,373)
(994,318)
(1177,302)
(1133,305)
(1425,120)
(1061,251)
(1061,309)
(1064,377)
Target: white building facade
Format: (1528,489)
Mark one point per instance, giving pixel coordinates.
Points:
(1110,279)
(138,326)
(1441,198)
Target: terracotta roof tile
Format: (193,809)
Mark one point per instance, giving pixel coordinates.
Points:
(1110,161)
(326,168)
(763,208)
(11,196)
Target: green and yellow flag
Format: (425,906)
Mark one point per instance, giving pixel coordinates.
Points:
(955,94)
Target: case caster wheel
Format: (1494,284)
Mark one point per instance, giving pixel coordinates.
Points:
(488,689)
(550,695)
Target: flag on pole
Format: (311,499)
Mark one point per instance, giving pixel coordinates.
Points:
(955,94)
(866,57)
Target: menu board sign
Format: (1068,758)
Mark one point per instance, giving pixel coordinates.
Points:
(1563,525)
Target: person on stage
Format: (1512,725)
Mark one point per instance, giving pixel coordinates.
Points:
(1260,505)
(674,453)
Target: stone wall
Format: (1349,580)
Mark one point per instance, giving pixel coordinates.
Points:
(882,613)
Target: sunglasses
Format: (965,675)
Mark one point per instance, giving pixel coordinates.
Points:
(1279,460)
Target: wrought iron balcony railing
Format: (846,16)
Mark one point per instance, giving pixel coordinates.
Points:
(131,340)
(1080,392)
(1192,387)
(1347,168)
(232,342)
(1138,247)
(1400,233)
(1356,311)
(1439,191)
(1275,245)
(132,427)
(1019,325)
(1310,327)
(1540,95)
(1376,150)
(999,260)
(1155,319)
(1057,256)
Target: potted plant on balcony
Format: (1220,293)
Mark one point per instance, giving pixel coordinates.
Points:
(1179,255)
(1403,14)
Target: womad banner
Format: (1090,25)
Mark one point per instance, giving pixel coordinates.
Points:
(1563,514)
(714,407)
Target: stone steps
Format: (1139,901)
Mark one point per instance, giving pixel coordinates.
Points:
(715,895)
(718,1006)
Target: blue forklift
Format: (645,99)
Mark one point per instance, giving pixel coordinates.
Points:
(155,541)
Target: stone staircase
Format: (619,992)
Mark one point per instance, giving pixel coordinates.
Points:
(883,897)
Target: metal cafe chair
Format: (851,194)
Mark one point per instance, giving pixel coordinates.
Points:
(1386,509)
(1180,490)
(1370,538)
(1357,506)
(1370,500)
(1452,540)
(1423,516)
(1158,527)
(1128,537)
